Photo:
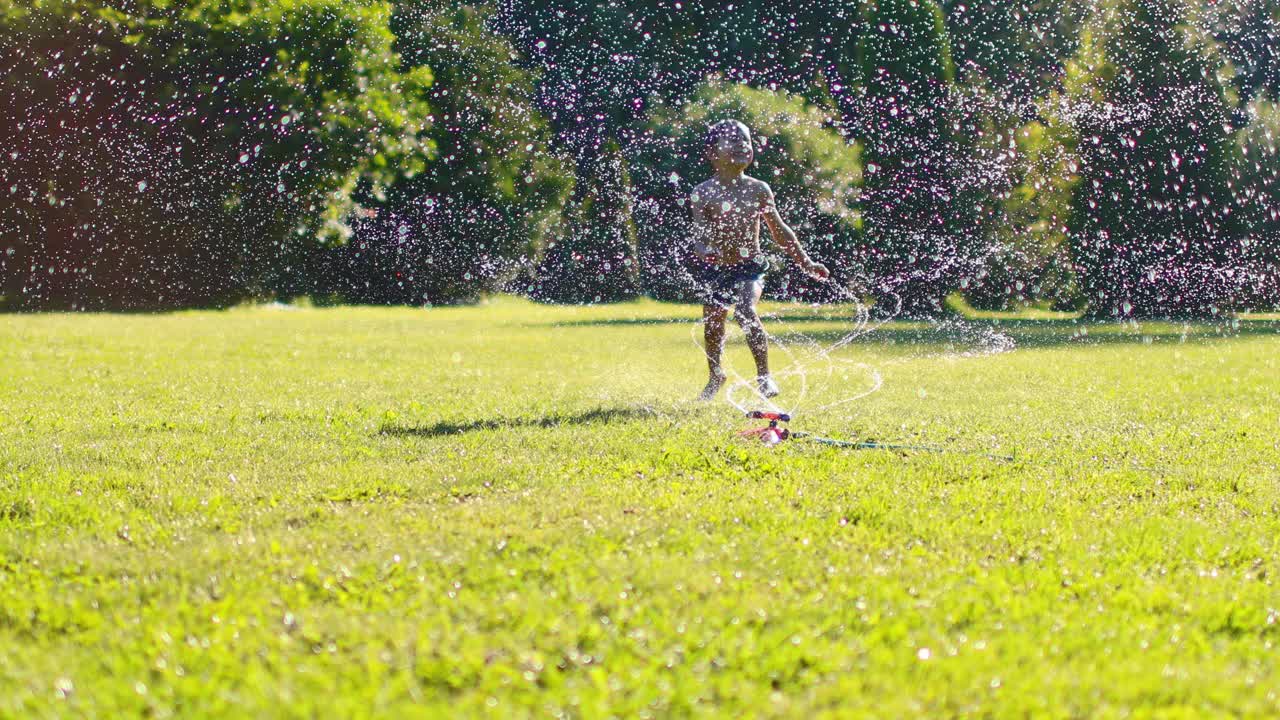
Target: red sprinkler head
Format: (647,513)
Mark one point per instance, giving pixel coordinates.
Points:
(771,434)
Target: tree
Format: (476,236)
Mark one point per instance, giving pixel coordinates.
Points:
(477,216)
(1015,49)
(1025,258)
(594,259)
(814,171)
(1008,57)
(1153,230)
(1256,183)
(1249,34)
(174,153)
(917,245)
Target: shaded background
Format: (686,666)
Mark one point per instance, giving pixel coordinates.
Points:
(1115,156)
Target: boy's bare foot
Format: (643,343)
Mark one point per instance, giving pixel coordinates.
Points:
(712,387)
(768,387)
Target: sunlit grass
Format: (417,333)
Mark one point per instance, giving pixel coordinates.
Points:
(517,510)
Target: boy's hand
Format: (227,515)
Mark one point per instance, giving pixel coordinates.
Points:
(816,269)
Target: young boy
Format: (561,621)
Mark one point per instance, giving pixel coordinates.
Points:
(729,265)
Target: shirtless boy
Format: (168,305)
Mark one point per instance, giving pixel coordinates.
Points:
(729,267)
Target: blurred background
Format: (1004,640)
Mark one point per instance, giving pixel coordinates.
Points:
(1114,157)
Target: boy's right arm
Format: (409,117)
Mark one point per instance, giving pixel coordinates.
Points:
(786,237)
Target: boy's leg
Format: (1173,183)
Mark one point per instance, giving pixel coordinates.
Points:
(713,317)
(745,313)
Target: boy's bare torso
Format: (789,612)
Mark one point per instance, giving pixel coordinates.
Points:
(729,215)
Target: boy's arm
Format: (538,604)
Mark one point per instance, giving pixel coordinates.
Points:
(786,238)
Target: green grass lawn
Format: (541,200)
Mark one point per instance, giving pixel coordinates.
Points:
(515,510)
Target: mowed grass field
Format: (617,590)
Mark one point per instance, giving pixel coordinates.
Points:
(515,510)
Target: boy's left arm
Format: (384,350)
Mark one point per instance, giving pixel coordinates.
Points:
(786,237)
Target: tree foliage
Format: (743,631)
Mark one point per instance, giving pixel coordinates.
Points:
(1027,258)
(1152,229)
(916,249)
(1258,198)
(169,153)
(1248,32)
(593,259)
(1017,49)
(474,219)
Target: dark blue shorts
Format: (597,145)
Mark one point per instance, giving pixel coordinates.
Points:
(723,284)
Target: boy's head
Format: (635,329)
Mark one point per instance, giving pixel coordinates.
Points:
(729,145)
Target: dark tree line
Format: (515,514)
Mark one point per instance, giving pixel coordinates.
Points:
(168,154)
(1118,155)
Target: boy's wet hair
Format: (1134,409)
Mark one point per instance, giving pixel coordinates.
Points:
(724,128)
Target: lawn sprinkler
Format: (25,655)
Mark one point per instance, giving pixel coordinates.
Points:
(771,435)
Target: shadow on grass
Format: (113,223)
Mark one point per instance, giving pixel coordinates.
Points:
(608,322)
(589,417)
(686,320)
(957,330)
(1050,333)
